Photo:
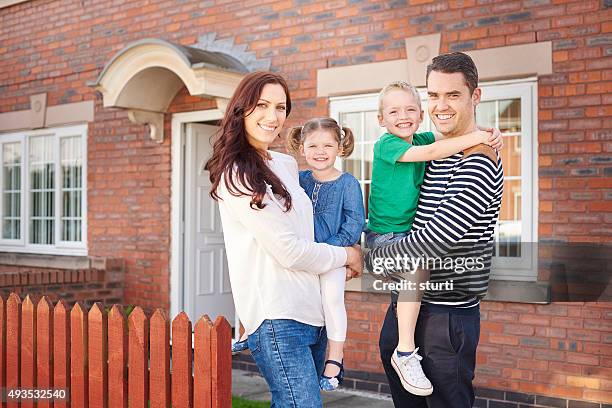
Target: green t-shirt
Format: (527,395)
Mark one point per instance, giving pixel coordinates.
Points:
(394,193)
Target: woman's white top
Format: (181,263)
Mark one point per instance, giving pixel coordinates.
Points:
(272,257)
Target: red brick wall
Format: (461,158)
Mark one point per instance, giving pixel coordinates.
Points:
(56,47)
(78,285)
(129,199)
(129,204)
(562,349)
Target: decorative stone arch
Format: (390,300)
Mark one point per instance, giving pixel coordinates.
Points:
(145,76)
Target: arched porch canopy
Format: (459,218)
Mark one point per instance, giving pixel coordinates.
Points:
(145,76)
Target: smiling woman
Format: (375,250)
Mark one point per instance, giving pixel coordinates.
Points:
(274,263)
(241,148)
(264,122)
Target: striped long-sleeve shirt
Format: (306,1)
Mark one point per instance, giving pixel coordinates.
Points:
(456,216)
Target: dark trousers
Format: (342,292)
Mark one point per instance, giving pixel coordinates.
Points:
(447,338)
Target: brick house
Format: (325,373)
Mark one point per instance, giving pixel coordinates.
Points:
(106,109)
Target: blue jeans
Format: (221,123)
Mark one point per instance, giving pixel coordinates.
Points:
(375,240)
(448,337)
(290,356)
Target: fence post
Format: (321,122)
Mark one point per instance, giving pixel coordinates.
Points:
(138,355)
(44,348)
(78,357)
(182,381)
(61,350)
(221,363)
(202,360)
(117,358)
(28,347)
(2,346)
(97,352)
(13,344)
(159,376)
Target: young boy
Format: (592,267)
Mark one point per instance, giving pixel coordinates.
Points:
(398,169)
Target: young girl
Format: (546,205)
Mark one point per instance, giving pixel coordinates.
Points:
(398,169)
(339,219)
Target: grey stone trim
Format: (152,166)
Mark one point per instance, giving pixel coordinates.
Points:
(208,42)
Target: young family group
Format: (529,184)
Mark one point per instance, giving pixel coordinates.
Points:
(293,237)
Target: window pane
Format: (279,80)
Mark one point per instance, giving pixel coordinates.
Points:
(485,114)
(509,239)
(71,166)
(511,201)
(511,155)
(353,121)
(368,159)
(42,190)
(505,114)
(510,115)
(352,164)
(510,219)
(426,125)
(366,196)
(11,194)
(373,130)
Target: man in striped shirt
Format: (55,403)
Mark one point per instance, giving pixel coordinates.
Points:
(452,236)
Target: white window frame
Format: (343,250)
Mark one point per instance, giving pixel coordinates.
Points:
(522,268)
(351,104)
(9,139)
(525,267)
(60,247)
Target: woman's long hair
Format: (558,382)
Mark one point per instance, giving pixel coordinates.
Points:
(233,157)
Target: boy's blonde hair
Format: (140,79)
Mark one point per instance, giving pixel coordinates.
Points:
(398,85)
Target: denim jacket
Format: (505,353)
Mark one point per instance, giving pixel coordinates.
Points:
(337,205)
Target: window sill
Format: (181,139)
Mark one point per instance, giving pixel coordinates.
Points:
(44,250)
(52,261)
(517,291)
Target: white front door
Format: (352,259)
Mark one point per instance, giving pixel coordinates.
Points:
(206,281)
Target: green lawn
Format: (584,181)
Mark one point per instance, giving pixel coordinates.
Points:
(238,402)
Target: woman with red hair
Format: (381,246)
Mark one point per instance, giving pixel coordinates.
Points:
(273,260)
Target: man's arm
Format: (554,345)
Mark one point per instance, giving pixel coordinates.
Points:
(473,187)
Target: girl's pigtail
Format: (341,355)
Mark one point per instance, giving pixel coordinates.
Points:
(294,140)
(347,143)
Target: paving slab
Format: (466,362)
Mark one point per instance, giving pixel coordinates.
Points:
(252,386)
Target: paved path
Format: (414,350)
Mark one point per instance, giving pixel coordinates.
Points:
(252,386)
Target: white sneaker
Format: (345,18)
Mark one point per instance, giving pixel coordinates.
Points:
(411,373)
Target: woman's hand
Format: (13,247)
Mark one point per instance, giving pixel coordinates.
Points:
(350,274)
(495,138)
(354,261)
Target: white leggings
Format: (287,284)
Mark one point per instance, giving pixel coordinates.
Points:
(332,293)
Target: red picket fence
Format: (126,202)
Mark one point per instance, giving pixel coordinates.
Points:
(106,360)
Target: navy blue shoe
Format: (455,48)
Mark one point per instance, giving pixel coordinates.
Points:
(240,346)
(331,383)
